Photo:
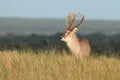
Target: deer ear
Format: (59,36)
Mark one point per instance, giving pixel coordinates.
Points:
(75,29)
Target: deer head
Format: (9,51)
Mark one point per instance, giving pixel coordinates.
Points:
(72,27)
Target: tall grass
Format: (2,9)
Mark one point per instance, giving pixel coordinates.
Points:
(25,65)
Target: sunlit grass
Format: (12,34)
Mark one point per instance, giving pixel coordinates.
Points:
(27,65)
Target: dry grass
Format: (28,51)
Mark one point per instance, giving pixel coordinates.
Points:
(15,65)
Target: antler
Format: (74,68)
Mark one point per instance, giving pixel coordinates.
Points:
(70,20)
(70,23)
(76,25)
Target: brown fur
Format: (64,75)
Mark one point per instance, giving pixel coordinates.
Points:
(85,47)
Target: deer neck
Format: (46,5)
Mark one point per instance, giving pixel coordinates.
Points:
(73,44)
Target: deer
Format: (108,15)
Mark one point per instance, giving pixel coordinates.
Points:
(80,47)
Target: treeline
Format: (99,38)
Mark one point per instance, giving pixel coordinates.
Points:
(100,43)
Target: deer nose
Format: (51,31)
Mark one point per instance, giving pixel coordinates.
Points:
(60,37)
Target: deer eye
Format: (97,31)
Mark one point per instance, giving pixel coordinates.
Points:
(68,32)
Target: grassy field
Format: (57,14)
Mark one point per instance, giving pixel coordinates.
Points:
(24,65)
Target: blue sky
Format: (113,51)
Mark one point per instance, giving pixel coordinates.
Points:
(92,9)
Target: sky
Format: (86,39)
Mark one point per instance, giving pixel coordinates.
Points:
(92,9)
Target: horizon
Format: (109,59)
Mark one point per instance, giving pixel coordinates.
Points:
(20,17)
